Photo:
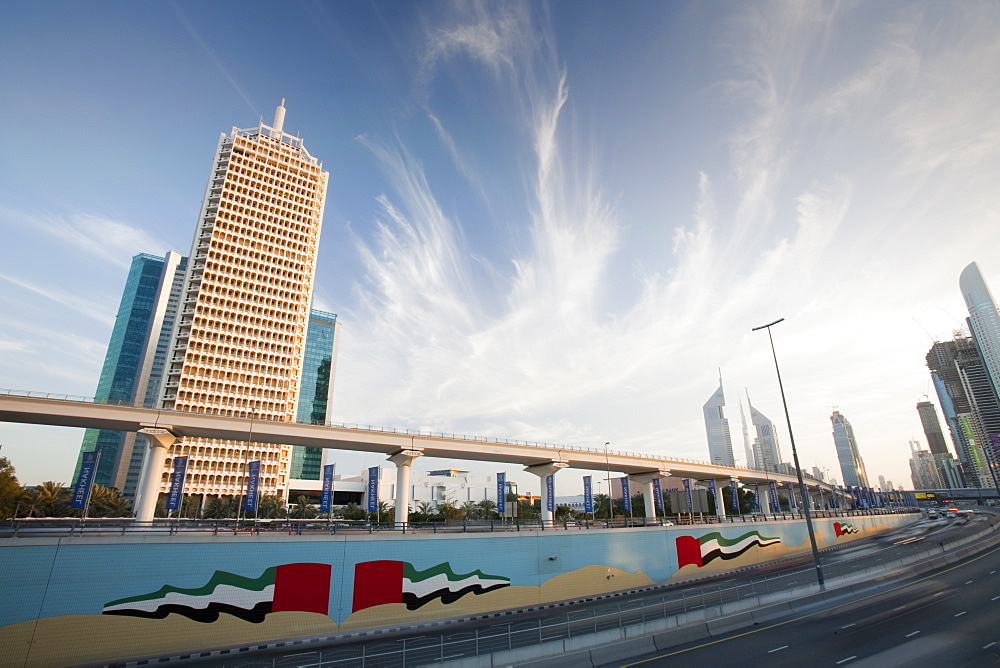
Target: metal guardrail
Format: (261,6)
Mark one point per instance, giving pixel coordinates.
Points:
(59,527)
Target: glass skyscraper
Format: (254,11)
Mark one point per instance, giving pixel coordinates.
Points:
(316,391)
(133,365)
(720,442)
(851,466)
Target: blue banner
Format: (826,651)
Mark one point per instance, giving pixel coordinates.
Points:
(373,489)
(326,496)
(253,486)
(791,496)
(177,483)
(550,492)
(501,492)
(588,495)
(81,492)
(711,491)
(626,497)
(734,487)
(756,497)
(687,493)
(775,505)
(657,495)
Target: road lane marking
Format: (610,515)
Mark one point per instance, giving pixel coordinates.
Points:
(969,582)
(910,635)
(850,658)
(848,626)
(899,608)
(960,614)
(777,649)
(813,614)
(990,645)
(995,598)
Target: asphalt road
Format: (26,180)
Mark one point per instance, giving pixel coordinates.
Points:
(946,618)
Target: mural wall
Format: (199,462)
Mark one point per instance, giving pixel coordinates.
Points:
(100,599)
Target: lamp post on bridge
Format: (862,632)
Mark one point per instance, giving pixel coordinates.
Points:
(795,457)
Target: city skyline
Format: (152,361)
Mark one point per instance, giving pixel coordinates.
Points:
(526,237)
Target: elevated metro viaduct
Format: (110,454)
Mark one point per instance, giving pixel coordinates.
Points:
(165,428)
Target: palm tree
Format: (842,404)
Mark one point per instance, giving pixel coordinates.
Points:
(601,505)
(50,499)
(470,510)
(272,507)
(108,502)
(449,510)
(425,508)
(353,511)
(220,508)
(302,510)
(487,509)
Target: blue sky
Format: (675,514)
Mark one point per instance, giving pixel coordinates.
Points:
(553,222)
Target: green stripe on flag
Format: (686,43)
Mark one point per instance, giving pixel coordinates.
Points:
(265,580)
(729,542)
(413,575)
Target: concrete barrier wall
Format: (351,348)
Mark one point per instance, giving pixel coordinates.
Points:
(85,599)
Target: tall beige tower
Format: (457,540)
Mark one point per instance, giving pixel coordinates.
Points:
(239,343)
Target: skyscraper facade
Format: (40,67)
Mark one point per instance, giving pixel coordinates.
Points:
(851,466)
(240,344)
(133,365)
(969,402)
(720,442)
(932,428)
(923,469)
(318,373)
(766,454)
(984,321)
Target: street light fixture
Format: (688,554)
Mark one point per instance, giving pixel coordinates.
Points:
(795,457)
(607,462)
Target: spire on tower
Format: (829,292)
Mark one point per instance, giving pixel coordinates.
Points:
(279,116)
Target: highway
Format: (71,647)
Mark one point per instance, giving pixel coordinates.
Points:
(490,635)
(946,618)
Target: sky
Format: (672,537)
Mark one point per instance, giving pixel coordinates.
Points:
(554,222)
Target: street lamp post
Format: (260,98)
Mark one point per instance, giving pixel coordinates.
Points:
(795,457)
(607,462)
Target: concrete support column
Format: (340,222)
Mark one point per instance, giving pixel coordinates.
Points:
(648,495)
(543,471)
(720,499)
(403,460)
(160,442)
(766,506)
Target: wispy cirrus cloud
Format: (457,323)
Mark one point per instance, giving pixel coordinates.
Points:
(112,241)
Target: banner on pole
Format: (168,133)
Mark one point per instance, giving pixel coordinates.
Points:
(734,487)
(687,494)
(626,497)
(550,492)
(588,495)
(253,486)
(657,495)
(88,468)
(177,483)
(373,489)
(791,496)
(775,505)
(756,497)
(501,492)
(326,497)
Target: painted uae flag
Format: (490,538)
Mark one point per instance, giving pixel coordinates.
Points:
(700,551)
(290,587)
(379,582)
(844,529)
